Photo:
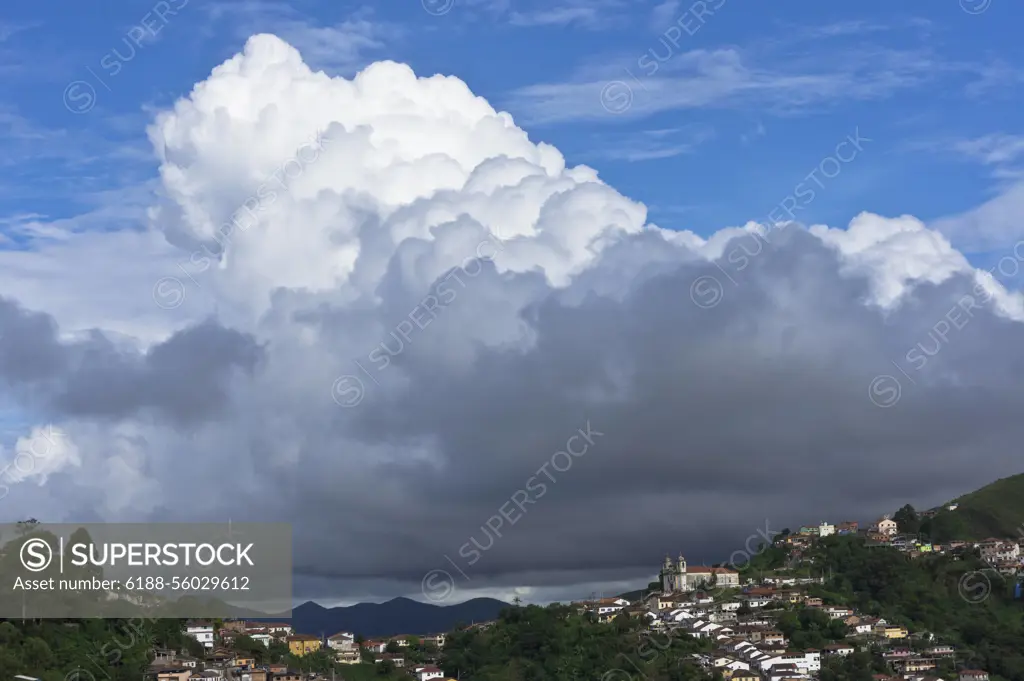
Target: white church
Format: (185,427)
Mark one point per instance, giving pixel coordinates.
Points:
(680,578)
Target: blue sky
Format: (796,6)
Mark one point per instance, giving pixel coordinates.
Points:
(739,113)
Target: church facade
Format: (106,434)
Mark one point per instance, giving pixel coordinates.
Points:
(678,577)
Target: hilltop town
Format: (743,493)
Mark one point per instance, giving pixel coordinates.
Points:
(752,624)
(740,617)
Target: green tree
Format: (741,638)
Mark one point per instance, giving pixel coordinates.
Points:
(907,520)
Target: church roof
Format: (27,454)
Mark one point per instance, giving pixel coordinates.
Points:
(711,570)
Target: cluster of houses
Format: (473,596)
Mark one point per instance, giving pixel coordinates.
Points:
(263,632)
(742,627)
(1003,555)
(740,620)
(222,663)
(347,651)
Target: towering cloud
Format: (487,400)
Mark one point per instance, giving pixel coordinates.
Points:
(418,309)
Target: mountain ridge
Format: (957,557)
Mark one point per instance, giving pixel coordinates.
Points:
(399,615)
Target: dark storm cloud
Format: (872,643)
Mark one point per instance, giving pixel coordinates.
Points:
(185,379)
(717,422)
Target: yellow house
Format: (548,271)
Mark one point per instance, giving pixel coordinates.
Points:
(243,661)
(300,644)
(894,632)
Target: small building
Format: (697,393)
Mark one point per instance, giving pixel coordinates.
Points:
(343,640)
(434,639)
(164,656)
(375,646)
(427,673)
(289,675)
(171,673)
(973,675)
(891,632)
(201,631)
(301,644)
(887,526)
(839,649)
(348,656)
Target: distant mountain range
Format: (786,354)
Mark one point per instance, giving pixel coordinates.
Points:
(397,616)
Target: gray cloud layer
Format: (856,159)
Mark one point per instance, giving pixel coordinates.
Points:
(184,379)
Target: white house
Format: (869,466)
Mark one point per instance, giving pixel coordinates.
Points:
(835,612)
(343,640)
(861,628)
(704,629)
(780,581)
(375,646)
(265,639)
(606,605)
(202,632)
(843,649)
(270,627)
(787,672)
(887,526)
(973,675)
(826,529)
(756,601)
(998,551)
(427,673)
(808,661)
(726,662)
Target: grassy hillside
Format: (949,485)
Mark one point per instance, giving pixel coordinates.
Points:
(996,510)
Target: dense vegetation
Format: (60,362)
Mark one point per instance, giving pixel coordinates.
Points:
(960,601)
(558,644)
(83,650)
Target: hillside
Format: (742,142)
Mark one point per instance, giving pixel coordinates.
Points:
(995,510)
(397,616)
